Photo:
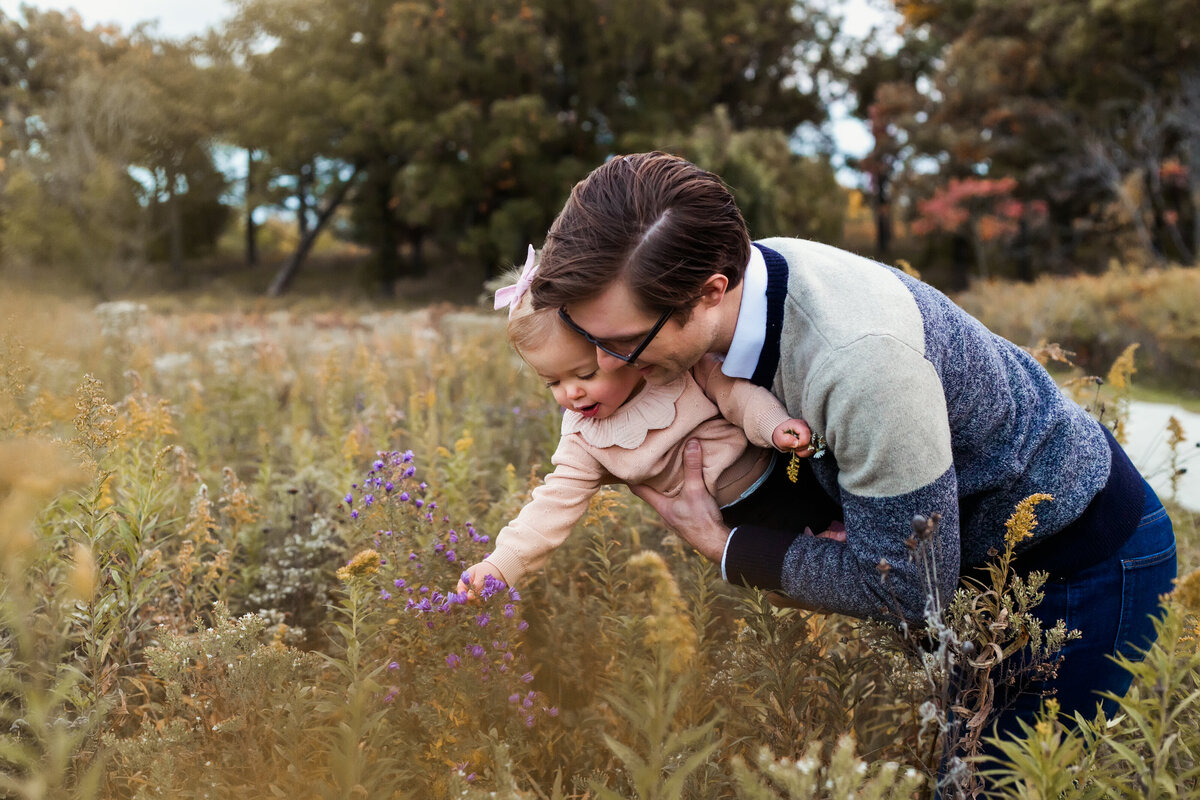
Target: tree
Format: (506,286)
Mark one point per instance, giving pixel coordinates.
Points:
(1073,100)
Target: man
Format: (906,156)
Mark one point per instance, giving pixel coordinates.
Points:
(915,408)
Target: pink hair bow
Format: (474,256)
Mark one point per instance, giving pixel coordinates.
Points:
(511,295)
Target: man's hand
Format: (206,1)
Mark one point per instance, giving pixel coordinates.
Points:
(693,514)
(793,436)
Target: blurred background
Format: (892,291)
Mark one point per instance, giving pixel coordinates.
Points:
(412,149)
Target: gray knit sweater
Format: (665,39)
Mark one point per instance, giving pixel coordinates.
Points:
(924,410)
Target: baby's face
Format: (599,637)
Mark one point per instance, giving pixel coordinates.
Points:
(567,365)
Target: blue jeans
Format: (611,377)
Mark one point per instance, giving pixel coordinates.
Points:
(1113,604)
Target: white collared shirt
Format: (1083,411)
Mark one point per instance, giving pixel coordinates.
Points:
(751,330)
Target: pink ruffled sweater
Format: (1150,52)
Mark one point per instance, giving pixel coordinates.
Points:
(643,443)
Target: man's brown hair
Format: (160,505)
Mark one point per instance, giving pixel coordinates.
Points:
(654,219)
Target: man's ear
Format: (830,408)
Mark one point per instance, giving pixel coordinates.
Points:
(712,291)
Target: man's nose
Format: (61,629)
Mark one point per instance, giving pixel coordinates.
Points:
(608,362)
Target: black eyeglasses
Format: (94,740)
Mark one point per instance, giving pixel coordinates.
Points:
(627,358)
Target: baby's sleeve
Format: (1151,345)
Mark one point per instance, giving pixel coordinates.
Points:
(752,408)
(524,545)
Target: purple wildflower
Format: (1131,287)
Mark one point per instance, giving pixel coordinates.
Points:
(399,582)
(389,486)
(404,497)
(385,594)
(476,651)
(394,665)
(349,499)
(483,619)
(353,515)
(408,456)
(452,661)
(509,610)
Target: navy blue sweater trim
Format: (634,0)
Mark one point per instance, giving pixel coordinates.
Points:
(777,280)
(1101,530)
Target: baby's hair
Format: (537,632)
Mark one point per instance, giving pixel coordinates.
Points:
(528,327)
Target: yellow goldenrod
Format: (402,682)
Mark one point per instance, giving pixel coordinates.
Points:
(1023,520)
(364,564)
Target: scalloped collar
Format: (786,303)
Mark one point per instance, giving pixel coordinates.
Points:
(652,409)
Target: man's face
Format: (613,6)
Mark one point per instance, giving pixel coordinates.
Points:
(614,318)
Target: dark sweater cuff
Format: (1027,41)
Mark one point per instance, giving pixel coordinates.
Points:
(754,556)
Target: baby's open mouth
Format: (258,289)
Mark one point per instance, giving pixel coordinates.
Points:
(589,411)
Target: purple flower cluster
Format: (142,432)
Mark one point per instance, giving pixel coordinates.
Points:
(525,706)
(463,637)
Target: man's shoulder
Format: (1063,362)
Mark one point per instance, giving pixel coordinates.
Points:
(836,297)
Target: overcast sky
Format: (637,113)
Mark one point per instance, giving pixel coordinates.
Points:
(175,17)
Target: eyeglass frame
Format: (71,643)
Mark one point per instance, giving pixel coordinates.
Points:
(628,359)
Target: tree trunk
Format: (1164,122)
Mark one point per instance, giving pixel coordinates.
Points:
(1021,251)
(960,258)
(174,228)
(287,273)
(387,246)
(251,228)
(303,183)
(883,219)
(416,240)
(1189,115)
(1115,181)
(1194,190)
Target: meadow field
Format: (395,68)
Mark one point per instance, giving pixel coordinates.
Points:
(230,540)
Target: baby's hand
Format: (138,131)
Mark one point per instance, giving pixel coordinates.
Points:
(793,436)
(477,574)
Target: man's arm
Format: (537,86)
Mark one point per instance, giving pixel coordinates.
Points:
(890,435)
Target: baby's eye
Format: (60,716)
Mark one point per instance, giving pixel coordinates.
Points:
(589,376)
(551,384)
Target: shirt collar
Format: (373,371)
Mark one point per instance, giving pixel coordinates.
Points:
(750,332)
